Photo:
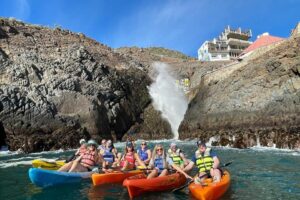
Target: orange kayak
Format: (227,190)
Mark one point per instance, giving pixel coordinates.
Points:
(113,177)
(137,185)
(211,191)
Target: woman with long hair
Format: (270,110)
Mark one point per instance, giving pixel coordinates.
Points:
(159,163)
(130,157)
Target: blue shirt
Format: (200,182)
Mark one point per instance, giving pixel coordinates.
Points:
(212,154)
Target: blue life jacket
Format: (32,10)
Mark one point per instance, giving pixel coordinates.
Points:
(143,153)
(159,163)
(108,155)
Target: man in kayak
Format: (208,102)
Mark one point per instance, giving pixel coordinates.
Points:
(160,163)
(144,152)
(207,163)
(177,156)
(130,157)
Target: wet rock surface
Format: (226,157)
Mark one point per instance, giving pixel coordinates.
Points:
(257,104)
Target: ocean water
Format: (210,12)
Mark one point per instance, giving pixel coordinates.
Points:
(256,173)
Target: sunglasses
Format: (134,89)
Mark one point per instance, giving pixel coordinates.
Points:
(160,149)
(143,144)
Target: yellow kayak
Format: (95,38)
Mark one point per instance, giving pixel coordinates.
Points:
(48,165)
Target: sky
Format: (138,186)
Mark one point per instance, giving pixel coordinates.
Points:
(182,25)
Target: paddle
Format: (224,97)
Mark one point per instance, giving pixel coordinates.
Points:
(191,181)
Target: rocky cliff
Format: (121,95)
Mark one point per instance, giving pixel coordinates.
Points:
(256,104)
(57,87)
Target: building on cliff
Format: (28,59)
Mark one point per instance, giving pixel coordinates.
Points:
(229,45)
(264,40)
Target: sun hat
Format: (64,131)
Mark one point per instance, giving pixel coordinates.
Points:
(82,141)
(92,142)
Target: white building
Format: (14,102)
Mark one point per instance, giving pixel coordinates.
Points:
(229,45)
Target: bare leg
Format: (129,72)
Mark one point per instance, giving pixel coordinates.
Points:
(153,174)
(164,173)
(216,174)
(77,167)
(65,167)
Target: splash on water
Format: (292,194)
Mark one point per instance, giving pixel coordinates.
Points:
(167,97)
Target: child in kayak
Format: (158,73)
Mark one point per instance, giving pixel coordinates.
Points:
(160,163)
(207,163)
(130,157)
(144,152)
(177,156)
(109,155)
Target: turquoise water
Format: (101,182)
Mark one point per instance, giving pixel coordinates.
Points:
(256,174)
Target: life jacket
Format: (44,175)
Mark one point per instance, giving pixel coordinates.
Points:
(159,162)
(88,158)
(175,156)
(108,155)
(143,153)
(129,157)
(205,162)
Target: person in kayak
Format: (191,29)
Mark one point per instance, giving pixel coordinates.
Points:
(79,151)
(177,156)
(144,152)
(86,161)
(159,163)
(207,163)
(109,155)
(103,145)
(130,157)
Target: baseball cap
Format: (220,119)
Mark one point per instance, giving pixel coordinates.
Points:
(201,143)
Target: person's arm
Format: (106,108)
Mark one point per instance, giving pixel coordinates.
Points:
(149,156)
(183,158)
(191,164)
(140,162)
(181,171)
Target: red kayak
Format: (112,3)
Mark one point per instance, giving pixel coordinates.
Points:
(139,184)
(113,177)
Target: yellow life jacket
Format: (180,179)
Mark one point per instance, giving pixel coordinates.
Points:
(175,156)
(205,162)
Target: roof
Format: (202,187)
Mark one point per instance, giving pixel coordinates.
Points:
(263,40)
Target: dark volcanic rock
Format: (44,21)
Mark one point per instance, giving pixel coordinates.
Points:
(57,87)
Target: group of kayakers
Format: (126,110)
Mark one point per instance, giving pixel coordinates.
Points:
(159,162)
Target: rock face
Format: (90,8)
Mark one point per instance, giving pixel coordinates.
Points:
(57,87)
(258,103)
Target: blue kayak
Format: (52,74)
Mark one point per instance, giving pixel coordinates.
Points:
(45,178)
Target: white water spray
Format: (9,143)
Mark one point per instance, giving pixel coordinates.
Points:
(167,97)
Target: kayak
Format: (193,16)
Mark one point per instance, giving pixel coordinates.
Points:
(48,165)
(113,177)
(45,178)
(211,191)
(137,185)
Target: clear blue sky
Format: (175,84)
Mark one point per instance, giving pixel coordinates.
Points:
(182,25)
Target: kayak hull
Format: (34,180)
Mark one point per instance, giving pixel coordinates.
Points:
(48,165)
(139,184)
(113,177)
(46,178)
(212,191)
